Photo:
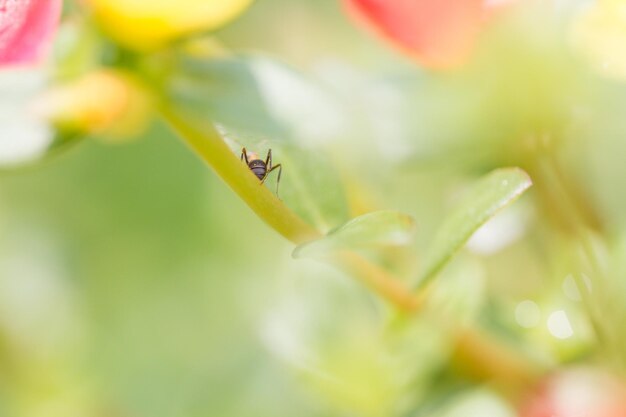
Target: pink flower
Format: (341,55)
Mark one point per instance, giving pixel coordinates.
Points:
(26,29)
(577,392)
(437,33)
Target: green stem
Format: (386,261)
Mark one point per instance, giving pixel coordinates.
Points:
(472,347)
(379,281)
(584,221)
(208,144)
(485,358)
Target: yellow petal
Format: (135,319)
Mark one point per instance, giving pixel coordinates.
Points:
(146,24)
(600,35)
(104,101)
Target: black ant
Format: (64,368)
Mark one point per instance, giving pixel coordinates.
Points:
(261,168)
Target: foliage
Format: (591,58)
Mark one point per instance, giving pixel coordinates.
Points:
(447,239)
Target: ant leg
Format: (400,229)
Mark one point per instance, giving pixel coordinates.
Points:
(244,155)
(280,171)
(268,160)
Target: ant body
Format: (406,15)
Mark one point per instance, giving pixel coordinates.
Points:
(261,168)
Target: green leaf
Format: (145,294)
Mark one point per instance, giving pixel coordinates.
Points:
(492,193)
(224,91)
(460,292)
(259,98)
(264,104)
(379,228)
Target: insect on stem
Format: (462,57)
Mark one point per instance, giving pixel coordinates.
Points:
(261,168)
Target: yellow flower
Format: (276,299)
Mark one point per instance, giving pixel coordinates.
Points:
(147,24)
(600,34)
(105,102)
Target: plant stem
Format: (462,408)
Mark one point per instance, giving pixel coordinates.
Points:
(480,355)
(583,221)
(476,353)
(379,281)
(472,348)
(212,149)
(208,144)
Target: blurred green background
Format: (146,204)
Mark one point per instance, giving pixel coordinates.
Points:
(135,270)
(132,277)
(133,282)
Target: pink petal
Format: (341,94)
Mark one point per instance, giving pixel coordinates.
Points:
(26,29)
(577,392)
(438,33)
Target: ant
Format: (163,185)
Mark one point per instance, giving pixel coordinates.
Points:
(261,168)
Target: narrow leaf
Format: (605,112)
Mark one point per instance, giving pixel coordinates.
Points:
(379,228)
(260,98)
(494,192)
(262,104)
